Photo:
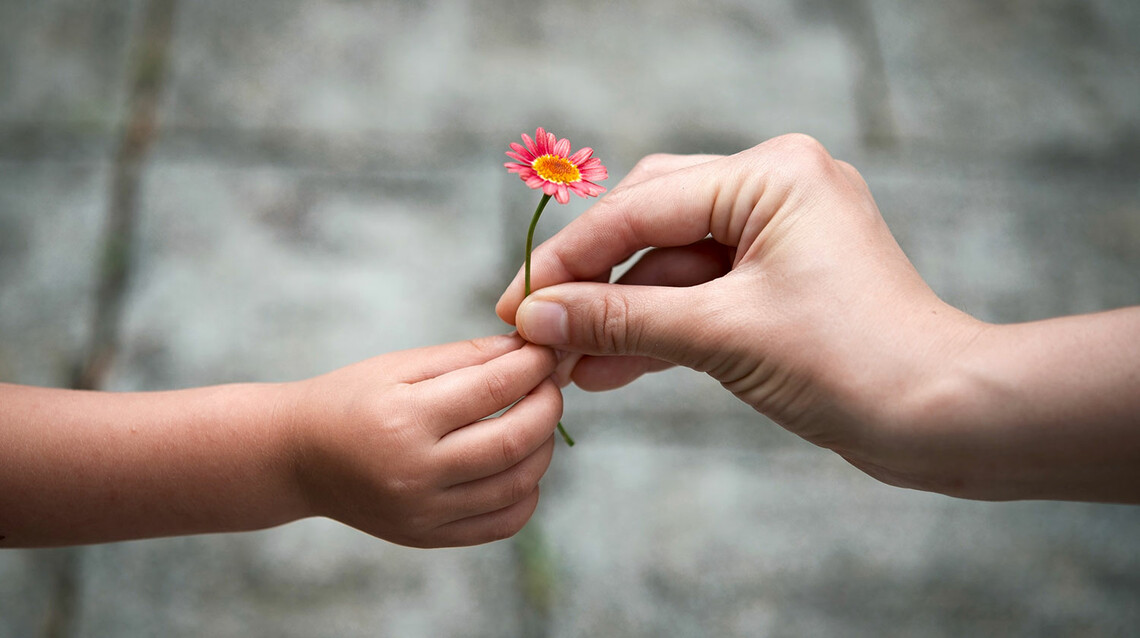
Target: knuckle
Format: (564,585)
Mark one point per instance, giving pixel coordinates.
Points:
(803,153)
(512,447)
(418,524)
(650,164)
(405,489)
(610,326)
(508,525)
(497,387)
(852,174)
(502,530)
(612,204)
(520,486)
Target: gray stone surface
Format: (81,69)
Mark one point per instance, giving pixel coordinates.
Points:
(255,272)
(62,82)
(326,185)
(51,217)
(984,77)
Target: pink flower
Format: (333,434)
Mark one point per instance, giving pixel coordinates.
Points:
(545,162)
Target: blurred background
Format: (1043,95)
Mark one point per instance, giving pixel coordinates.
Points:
(202,192)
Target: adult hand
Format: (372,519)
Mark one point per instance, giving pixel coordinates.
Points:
(773,271)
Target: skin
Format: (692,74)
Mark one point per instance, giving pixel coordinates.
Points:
(397,446)
(773,271)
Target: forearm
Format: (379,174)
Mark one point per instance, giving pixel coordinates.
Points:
(1048,409)
(85,467)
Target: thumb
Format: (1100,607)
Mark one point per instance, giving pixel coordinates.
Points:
(664,323)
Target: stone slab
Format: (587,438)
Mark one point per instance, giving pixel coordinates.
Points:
(711,76)
(979,77)
(1016,241)
(258,273)
(743,541)
(313,578)
(51,225)
(63,80)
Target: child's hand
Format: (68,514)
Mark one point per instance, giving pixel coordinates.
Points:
(395,445)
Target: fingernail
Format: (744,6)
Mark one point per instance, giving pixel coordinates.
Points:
(544,323)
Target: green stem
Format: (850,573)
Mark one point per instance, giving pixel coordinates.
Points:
(530,241)
(565,435)
(526,284)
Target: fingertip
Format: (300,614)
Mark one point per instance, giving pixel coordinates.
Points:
(510,520)
(549,385)
(548,356)
(563,372)
(508,302)
(494,346)
(505,310)
(543,322)
(550,392)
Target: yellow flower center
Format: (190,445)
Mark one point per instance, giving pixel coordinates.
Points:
(556,169)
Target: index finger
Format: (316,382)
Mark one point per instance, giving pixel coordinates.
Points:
(463,396)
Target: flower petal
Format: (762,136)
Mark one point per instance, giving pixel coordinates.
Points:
(523,151)
(562,147)
(594,174)
(530,144)
(586,189)
(562,194)
(540,142)
(582,155)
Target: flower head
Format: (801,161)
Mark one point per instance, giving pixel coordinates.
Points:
(545,162)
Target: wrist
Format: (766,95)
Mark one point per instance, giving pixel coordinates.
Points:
(289,425)
(930,432)
(256,422)
(1039,410)
(1043,410)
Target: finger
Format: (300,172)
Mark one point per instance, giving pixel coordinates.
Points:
(658,164)
(567,361)
(501,490)
(664,323)
(425,363)
(490,446)
(681,266)
(485,528)
(457,398)
(597,374)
